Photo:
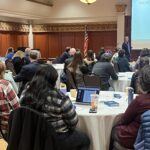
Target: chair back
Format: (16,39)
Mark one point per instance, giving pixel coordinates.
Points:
(92,81)
(30,130)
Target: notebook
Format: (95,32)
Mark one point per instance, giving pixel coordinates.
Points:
(111,103)
(84,94)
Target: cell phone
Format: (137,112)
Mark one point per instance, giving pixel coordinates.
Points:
(92,110)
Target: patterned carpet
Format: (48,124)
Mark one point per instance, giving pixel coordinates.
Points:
(3,144)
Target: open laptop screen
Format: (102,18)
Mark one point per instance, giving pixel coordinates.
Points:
(84,94)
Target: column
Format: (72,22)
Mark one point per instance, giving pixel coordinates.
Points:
(30,38)
(120,9)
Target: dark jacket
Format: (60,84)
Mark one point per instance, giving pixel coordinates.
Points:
(29,130)
(123,64)
(143,138)
(127,51)
(130,121)
(104,70)
(26,74)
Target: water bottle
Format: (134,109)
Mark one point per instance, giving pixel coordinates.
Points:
(130,94)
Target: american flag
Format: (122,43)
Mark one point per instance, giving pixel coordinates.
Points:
(86,39)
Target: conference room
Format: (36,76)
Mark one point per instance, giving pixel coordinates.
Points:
(74,74)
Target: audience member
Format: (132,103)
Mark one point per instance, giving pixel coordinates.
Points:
(105,70)
(127,47)
(10,53)
(65,55)
(122,62)
(18,61)
(144,52)
(125,131)
(115,55)
(8,100)
(71,53)
(90,60)
(27,71)
(143,62)
(100,53)
(78,69)
(40,94)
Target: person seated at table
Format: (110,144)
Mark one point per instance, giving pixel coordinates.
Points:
(145,52)
(122,61)
(104,69)
(115,55)
(143,62)
(89,60)
(41,94)
(125,131)
(8,101)
(78,69)
(65,55)
(9,53)
(18,61)
(27,71)
(100,53)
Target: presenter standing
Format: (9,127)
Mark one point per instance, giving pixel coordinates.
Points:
(127,47)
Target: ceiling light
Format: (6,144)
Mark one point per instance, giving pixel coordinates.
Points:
(88,1)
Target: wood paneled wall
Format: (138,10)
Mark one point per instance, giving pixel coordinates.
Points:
(53,44)
(12,39)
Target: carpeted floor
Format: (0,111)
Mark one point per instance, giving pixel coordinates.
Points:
(3,144)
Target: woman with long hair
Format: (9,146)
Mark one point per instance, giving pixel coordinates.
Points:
(78,69)
(41,94)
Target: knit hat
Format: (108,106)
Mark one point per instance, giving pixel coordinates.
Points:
(107,56)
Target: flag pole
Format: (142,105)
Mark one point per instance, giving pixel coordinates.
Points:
(85,41)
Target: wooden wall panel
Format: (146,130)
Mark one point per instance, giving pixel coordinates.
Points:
(22,40)
(41,42)
(5,41)
(79,40)
(67,39)
(12,39)
(54,45)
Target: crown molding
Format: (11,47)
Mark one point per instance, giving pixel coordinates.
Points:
(11,26)
(105,26)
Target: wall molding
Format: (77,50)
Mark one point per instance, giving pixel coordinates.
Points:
(105,26)
(11,26)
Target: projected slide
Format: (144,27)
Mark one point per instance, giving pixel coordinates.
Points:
(140,24)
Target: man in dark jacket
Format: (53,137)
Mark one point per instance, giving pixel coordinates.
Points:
(127,47)
(105,70)
(27,72)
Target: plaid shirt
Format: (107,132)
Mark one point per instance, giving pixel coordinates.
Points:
(60,111)
(8,102)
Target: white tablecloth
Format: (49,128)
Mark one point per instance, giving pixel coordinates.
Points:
(59,68)
(123,81)
(98,125)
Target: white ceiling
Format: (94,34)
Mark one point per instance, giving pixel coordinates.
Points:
(63,11)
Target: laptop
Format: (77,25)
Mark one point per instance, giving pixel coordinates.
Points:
(84,94)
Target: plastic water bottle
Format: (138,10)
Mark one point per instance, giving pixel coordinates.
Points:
(130,94)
